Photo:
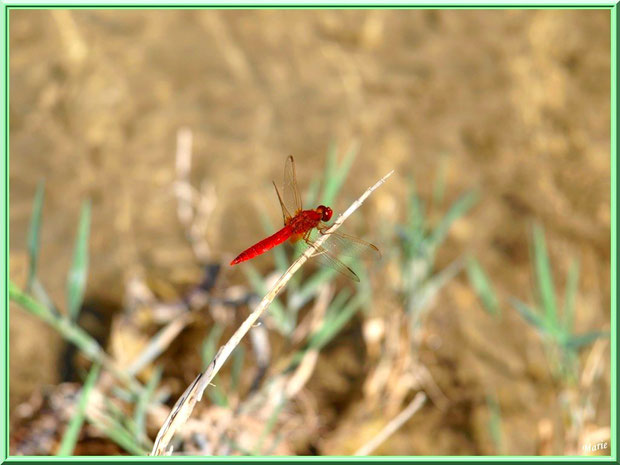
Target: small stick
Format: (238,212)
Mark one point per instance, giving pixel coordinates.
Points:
(393,425)
(194,208)
(159,343)
(194,392)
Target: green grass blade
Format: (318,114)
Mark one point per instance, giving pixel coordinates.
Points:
(276,442)
(339,312)
(572,281)
(422,297)
(457,210)
(544,278)
(312,193)
(238,357)
(38,292)
(72,333)
(76,280)
(33,233)
(209,345)
(115,431)
(217,394)
(335,322)
(311,286)
(72,433)
(143,403)
(339,300)
(578,342)
(495,424)
(271,423)
(335,175)
(530,316)
(280,316)
(413,233)
(482,286)
(439,187)
(117,414)
(416,214)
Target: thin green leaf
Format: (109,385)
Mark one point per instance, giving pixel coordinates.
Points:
(339,300)
(422,297)
(334,323)
(495,424)
(311,286)
(276,309)
(578,342)
(72,333)
(312,193)
(76,280)
(217,394)
(143,402)
(572,280)
(33,233)
(237,447)
(416,214)
(457,210)
(439,187)
(39,292)
(117,433)
(271,422)
(530,315)
(276,442)
(116,413)
(238,357)
(209,345)
(482,286)
(544,278)
(72,433)
(336,175)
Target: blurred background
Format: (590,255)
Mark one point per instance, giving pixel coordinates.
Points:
(143,146)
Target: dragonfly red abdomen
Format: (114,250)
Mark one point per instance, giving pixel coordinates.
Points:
(263,246)
(295,228)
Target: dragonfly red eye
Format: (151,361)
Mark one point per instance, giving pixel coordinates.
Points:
(327,212)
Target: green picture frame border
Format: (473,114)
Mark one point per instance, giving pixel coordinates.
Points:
(7,7)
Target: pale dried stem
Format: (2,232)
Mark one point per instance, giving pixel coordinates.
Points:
(159,343)
(393,425)
(194,208)
(75,47)
(184,406)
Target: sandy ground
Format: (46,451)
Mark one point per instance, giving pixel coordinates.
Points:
(517,102)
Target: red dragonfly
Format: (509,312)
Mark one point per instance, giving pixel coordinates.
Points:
(306,224)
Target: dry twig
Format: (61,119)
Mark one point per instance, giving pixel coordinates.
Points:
(194,208)
(184,406)
(393,425)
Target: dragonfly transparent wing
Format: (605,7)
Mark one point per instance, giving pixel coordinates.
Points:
(340,244)
(346,245)
(326,258)
(290,191)
(286,215)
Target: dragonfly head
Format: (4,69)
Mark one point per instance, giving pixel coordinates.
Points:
(325,212)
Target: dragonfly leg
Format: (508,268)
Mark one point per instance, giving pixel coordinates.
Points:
(317,251)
